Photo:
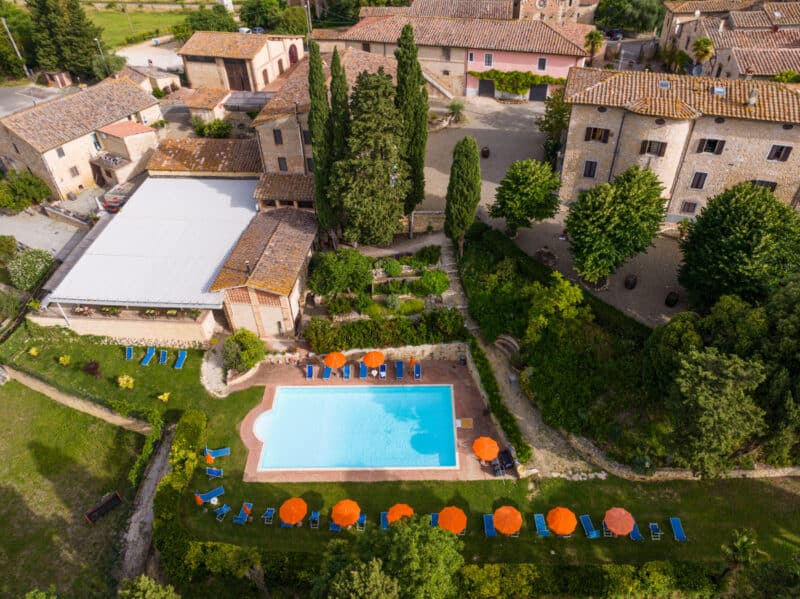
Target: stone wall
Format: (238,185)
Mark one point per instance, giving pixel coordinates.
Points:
(420,220)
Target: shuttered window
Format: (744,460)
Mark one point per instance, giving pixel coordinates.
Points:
(596,134)
(656,148)
(710,146)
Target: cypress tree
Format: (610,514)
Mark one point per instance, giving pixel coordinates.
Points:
(412,102)
(78,45)
(340,110)
(48,21)
(319,126)
(463,191)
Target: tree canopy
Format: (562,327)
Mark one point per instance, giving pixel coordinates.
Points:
(203,19)
(293,21)
(463,190)
(554,121)
(144,587)
(592,43)
(320,131)
(528,192)
(260,13)
(631,15)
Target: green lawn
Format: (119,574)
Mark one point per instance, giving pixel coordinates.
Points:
(118,25)
(56,464)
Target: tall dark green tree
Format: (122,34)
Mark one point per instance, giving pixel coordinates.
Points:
(340,110)
(412,102)
(319,127)
(463,191)
(21,27)
(78,45)
(48,22)
(372,182)
(260,13)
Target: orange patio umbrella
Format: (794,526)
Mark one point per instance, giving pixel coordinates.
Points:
(561,521)
(485,448)
(453,519)
(507,520)
(209,458)
(619,521)
(197,499)
(293,510)
(373,359)
(335,360)
(346,512)
(399,510)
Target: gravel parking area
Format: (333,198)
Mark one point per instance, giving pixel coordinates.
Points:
(38,231)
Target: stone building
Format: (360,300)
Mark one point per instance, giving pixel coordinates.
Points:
(561,11)
(679,13)
(63,143)
(206,157)
(699,135)
(238,61)
(150,78)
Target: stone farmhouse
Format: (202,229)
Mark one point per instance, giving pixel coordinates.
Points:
(560,11)
(700,135)
(97,135)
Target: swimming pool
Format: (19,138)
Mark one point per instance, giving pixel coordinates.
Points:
(358,427)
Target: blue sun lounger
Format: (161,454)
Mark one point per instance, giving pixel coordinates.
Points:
(214,472)
(310,371)
(385,520)
(361,523)
(417,372)
(435,519)
(162,357)
(217,453)
(346,372)
(148,356)
(221,512)
(398,368)
(334,527)
(488,525)
(129,353)
(268,516)
(677,529)
(244,513)
(208,496)
(606,532)
(588,527)
(636,534)
(362,370)
(382,371)
(655,531)
(313,520)
(285,525)
(326,374)
(541,525)
(181,359)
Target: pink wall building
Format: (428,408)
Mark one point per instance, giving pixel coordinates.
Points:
(539,64)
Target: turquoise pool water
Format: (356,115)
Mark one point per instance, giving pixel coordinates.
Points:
(372,427)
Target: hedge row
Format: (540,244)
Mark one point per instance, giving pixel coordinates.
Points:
(150,441)
(143,36)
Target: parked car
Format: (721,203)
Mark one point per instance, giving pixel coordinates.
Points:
(614,35)
(258,30)
(244,30)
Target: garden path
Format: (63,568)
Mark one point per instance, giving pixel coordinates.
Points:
(212,373)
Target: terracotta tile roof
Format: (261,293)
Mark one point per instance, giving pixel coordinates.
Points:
(706,6)
(271,252)
(747,38)
(766,63)
(789,13)
(381,11)
(295,89)
(133,75)
(227,45)
(125,128)
(207,97)
(749,19)
(463,9)
(58,121)
(285,187)
(191,154)
(685,96)
(484,34)
(329,34)
(148,71)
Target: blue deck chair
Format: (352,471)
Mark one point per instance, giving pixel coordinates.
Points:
(636,534)
(382,371)
(361,523)
(214,472)
(655,531)
(209,495)
(181,359)
(346,372)
(148,356)
(162,357)
(417,372)
(588,527)
(385,520)
(362,370)
(677,529)
(310,371)
(488,525)
(326,374)
(285,525)
(398,369)
(268,516)
(244,513)
(541,525)
(435,519)
(606,532)
(334,527)
(217,453)
(129,353)
(313,520)
(221,512)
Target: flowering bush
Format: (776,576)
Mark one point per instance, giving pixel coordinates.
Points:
(164,397)
(28,268)
(125,381)
(64,360)
(33,352)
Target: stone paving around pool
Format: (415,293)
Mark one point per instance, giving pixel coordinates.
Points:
(468,404)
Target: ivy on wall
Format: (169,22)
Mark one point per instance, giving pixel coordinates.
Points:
(516,82)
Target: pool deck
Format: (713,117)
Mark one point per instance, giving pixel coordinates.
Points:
(468,404)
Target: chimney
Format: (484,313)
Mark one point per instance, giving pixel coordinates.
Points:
(247,266)
(721,26)
(753,99)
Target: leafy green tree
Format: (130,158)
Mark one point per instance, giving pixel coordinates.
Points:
(528,192)
(463,191)
(108,64)
(340,110)
(614,221)
(293,21)
(411,101)
(735,327)
(769,578)
(703,49)
(319,127)
(8,249)
(77,40)
(592,43)
(558,308)
(48,21)
(364,579)
(242,350)
(216,19)
(743,548)
(633,15)
(788,76)
(343,10)
(342,271)
(12,202)
(554,121)
(717,413)
(663,350)
(50,593)
(21,27)
(260,13)
(373,182)
(28,268)
(744,241)
(28,186)
(145,587)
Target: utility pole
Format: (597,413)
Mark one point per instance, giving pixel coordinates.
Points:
(14,45)
(308,16)
(103,56)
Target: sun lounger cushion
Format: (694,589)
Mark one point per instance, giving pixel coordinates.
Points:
(541,525)
(677,529)
(384,520)
(588,527)
(488,525)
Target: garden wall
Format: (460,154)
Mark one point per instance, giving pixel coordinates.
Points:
(419,221)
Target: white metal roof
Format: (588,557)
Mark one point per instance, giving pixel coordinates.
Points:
(165,246)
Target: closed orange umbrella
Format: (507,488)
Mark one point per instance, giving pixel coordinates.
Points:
(561,521)
(373,359)
(209,458)
(293,510)
(335,360)
(399,510)
(485,448)
(507,520)
(619,521)
(453,519)
(346,512)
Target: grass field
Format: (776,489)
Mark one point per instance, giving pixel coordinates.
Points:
(56,464)
(118,25)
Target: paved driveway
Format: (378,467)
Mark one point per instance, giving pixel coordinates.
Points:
(164,56)
(13,99)
(38,231)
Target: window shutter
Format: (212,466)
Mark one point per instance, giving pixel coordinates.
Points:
(700,146)
(643,148)
(720,147)
(588,134)
(604,137)
(786,153)
(662,148)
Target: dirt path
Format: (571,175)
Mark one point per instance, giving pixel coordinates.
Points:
(139,536)
(81,405)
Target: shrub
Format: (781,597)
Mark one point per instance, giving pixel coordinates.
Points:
(428,255)
(392,267)
(11,202)
(28,268)
(64,360)
(392,302)
(125,381)
(33,352)
(164,396)
(362,302)
(411,306)
(8,249)
(9,302)
(216,128)
(395,287)
(157,423)
(92,369)
(158,92)
(432,282)
(341,304)
(343,271)
(242,350)
(27,187)
(376,311)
